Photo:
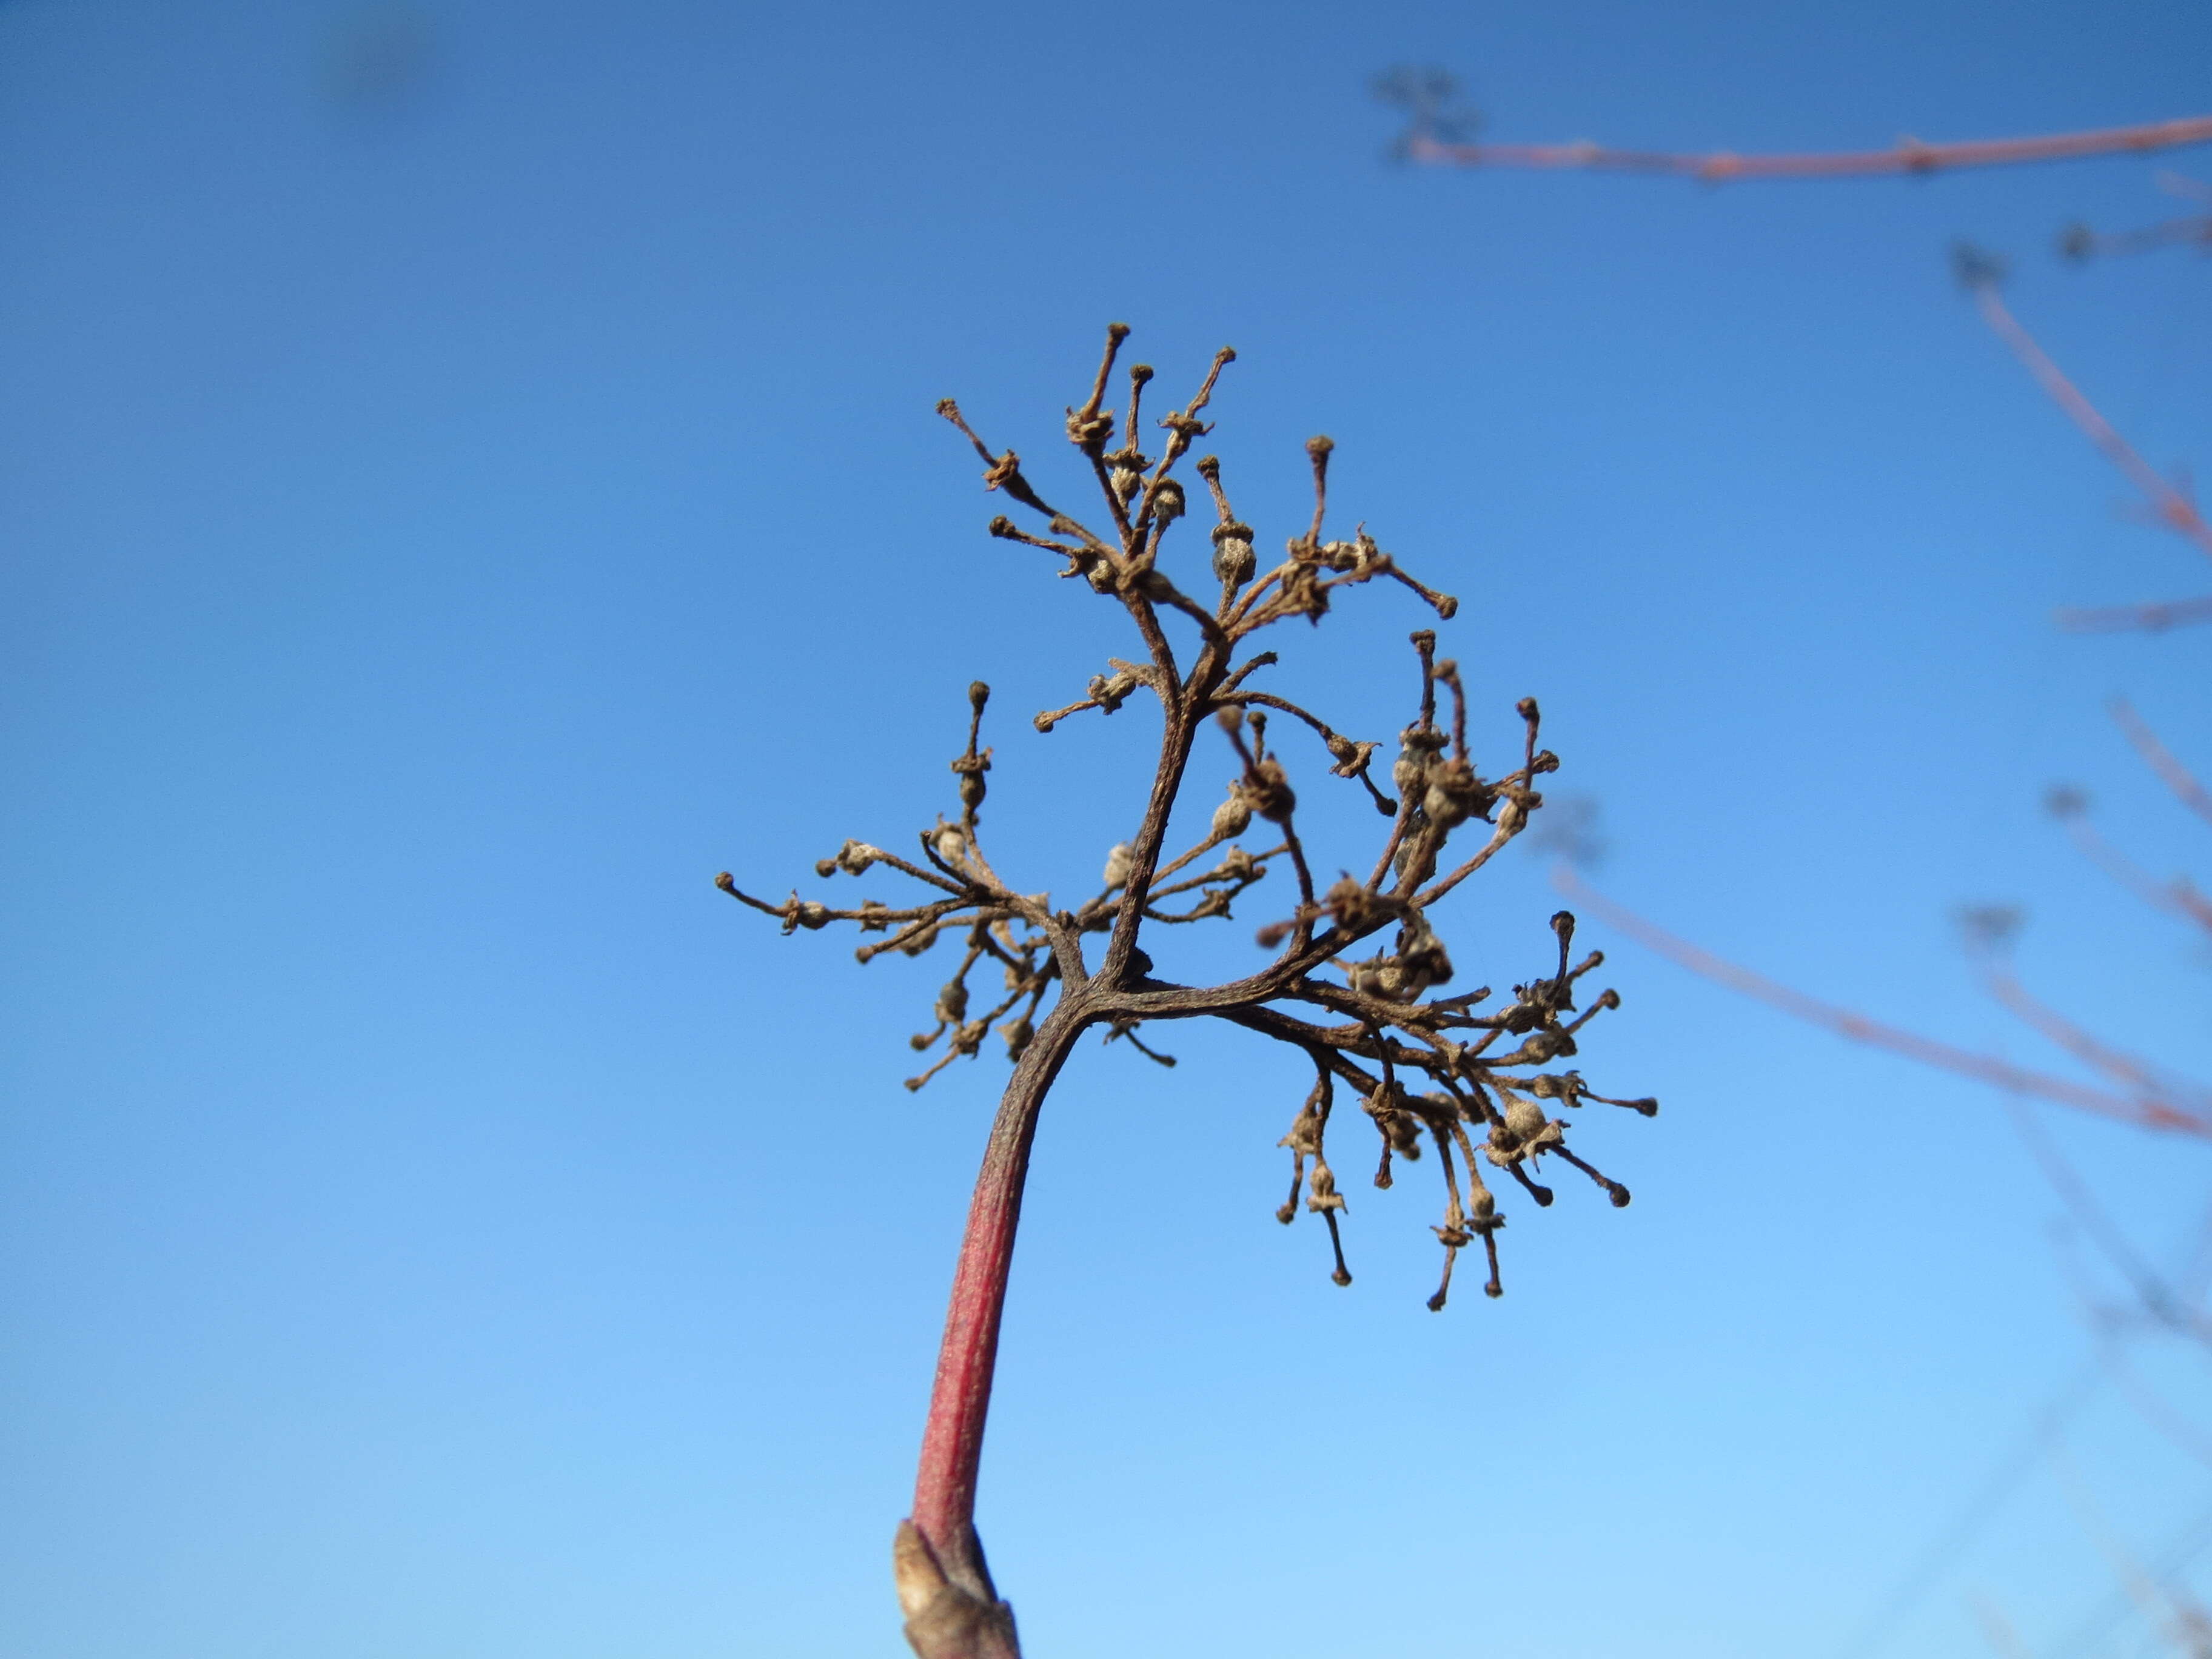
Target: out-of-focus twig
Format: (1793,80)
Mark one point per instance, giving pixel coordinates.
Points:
(2152,618)
(2159,1300)
(1907,156)
(2179,897)
(2170,505)
(2142,1109)
(2174,509)
(2176,777)
(1997,1630)
(2124,1068)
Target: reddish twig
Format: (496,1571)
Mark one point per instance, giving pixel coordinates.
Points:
(2176,897)
(2128,1070)
(2152,618)
(2176,777)
(2144,1109)
(2173,508)
(2170,505)
(1908,155)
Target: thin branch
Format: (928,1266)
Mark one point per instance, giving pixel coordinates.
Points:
(2124,1068)
(2145,1111)
(2171,508)
(2152,618)
(2176,777)
(1908,155)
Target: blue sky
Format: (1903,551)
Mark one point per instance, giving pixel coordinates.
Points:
(452,509)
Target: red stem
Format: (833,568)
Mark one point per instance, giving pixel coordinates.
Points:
(952,1440)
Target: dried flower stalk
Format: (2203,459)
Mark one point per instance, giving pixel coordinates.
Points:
(1355,964)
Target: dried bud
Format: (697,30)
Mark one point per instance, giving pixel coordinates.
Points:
(1116,872)
(1017,1034)
(952,846)
(1351,758)
(1321,1189)
(1524,1119)
(1349,903)
(1423,954)
(1233,816)
(952,1002)
(1268,790)
(1418,745)
(1455,794)
(811,916)
(1110,691)
(854,857)
(1168,504)
(1234,560)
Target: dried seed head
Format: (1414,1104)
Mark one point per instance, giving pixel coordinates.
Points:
(1391,1025)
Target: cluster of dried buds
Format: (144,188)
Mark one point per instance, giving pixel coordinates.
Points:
(1479,1087)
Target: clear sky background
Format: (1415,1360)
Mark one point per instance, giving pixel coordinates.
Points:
(467,475)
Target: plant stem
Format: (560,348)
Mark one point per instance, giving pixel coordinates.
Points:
(953,1609)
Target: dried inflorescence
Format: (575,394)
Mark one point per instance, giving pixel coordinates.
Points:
(1358,964)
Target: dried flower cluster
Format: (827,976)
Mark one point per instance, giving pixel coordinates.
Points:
(1356,965)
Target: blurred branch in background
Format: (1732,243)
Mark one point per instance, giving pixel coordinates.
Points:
(2144,1108)
(1440,132)
(1441,129)
(2171,505)
(2078,242)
